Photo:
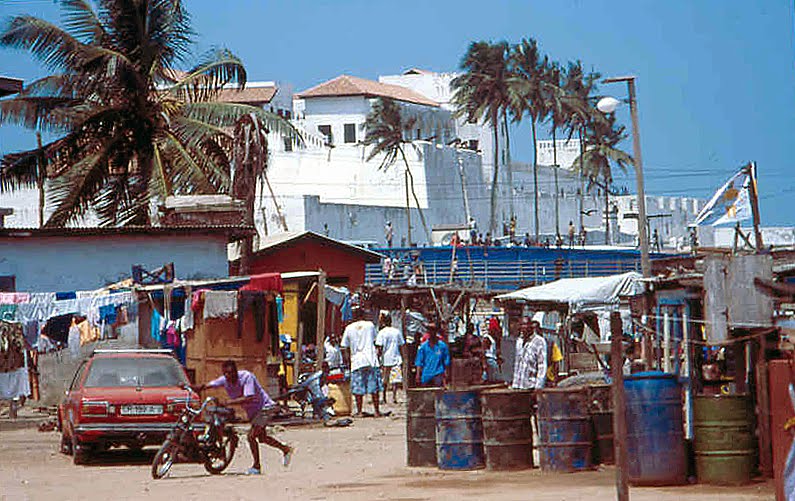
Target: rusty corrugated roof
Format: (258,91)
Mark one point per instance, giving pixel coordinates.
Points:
(346,85)
(234,231)
(249,95)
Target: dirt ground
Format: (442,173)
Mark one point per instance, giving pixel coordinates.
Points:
(363,462)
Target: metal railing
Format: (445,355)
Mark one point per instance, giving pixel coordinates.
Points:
(500,275)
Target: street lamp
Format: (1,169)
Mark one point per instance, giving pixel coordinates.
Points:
(609,105)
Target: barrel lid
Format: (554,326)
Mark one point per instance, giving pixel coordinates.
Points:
(650,375)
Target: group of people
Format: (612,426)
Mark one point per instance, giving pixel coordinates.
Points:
(375,358)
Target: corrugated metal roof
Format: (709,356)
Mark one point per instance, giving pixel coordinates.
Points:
(273,242)
(346,85)
(230,230)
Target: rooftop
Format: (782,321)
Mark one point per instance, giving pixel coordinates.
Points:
(248,95)
(232,231)
(274,242)
(346,85)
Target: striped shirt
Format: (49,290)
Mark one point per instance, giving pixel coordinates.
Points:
(530,364)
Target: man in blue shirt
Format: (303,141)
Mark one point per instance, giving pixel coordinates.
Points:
(432,360)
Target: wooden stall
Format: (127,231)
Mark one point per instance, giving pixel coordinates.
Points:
(437,303)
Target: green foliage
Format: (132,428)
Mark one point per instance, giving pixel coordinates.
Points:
(128,127)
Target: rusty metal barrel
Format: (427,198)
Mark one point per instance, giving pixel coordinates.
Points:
(507,429)
(564,429)
(723,439)
(459,430)
(600,406)
(421,426)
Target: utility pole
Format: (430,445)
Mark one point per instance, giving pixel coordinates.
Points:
(643,235)
(619,407)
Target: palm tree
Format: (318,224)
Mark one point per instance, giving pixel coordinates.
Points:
(384,128)
(595,163)
(525,97)
(482,92)
(576,93)
(555,109)
(129,129)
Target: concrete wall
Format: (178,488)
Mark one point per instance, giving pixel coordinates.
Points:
(47,264)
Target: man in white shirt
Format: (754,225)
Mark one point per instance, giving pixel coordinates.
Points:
(530,364)
(331,348)
(391,342)
(359,338)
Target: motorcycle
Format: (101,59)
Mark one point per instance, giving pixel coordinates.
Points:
(214,447)
(307,393)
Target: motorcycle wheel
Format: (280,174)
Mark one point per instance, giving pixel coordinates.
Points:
(164,459)
(216,462)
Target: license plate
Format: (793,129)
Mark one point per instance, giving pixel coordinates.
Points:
(141,410)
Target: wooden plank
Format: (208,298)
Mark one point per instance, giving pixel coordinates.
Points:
(619,410)
(320,336)
(763,412)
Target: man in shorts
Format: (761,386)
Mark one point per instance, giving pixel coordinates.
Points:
(359,339)
(244,390)
(390,341)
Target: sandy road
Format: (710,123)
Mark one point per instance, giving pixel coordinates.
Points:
(362,462)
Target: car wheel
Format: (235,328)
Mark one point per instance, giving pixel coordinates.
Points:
(80,452)
(66,444)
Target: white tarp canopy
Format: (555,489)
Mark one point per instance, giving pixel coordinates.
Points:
(580,294)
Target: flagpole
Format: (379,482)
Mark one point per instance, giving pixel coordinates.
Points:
(751,169)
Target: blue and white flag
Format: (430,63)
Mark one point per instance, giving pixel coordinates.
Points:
(730,204)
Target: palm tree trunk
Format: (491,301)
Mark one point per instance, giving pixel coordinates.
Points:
(508,164)
(248,220)
(535,179)
(41,174)
(582,185)
(555,170)
(416,199)
(607,215)
(495,175)
(408,205)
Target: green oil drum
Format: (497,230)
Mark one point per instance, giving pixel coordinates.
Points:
(723,439)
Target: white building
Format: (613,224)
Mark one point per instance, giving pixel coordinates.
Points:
(328,186)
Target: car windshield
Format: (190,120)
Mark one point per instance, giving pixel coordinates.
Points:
(135,372)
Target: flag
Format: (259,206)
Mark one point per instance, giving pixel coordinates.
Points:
(731,203)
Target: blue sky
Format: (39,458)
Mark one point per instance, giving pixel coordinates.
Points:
(716,83)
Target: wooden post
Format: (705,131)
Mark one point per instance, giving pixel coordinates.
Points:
(298,344)
(763,411)
(320,336)
(666,342)
(754,195)
(619,407)
(406,361)
(688,378)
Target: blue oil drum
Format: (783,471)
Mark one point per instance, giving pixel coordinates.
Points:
(564,430)
(459,430)
(655,433)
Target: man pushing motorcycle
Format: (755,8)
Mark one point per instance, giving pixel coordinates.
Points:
(244,390)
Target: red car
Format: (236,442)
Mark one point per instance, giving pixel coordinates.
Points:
(122,397)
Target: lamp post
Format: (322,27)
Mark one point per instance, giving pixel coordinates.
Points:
(608,105)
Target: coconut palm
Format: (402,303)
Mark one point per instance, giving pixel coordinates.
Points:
(602,154)
(128,128)
(525,96)
(555,108)
(384,128)
(481,92)
(577,87)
